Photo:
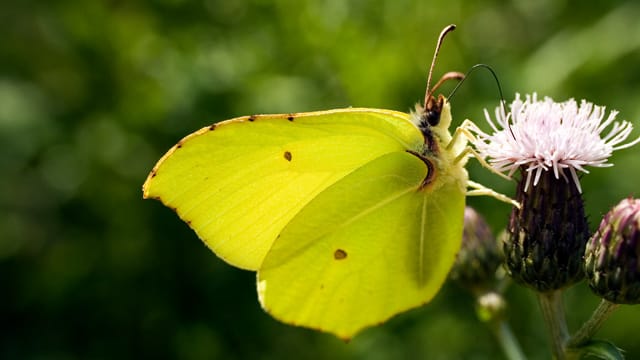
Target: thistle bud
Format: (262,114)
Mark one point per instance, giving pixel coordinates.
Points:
(612,255)
(479,256)
(547,235)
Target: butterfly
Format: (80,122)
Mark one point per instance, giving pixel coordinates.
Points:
(348,216)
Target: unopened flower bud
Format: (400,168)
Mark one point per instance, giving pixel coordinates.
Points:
(612,256)
(490,306)
(479,256)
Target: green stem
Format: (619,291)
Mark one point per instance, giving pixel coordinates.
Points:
(507,341)
(490,309)
(553,313)
(589,328)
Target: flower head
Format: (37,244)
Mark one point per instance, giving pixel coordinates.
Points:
(612,257)
(543,135)
(549,143)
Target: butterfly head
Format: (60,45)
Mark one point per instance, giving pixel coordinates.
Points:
(433,119)
(431,115)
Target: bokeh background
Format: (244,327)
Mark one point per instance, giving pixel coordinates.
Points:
(92,93)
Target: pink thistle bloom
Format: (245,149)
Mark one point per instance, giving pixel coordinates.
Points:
(543,135)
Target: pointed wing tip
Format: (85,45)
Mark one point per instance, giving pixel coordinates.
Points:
(148,183)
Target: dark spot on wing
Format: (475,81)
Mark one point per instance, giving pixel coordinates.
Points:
(252,117)
(287,155)
(212,127)
(154,172)
(179,144)
(290,117)
(340,254)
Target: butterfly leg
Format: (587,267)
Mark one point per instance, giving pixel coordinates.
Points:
(477,189)
(471,151)
(462,132)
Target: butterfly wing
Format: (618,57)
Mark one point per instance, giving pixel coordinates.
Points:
(366,248)
(238,183)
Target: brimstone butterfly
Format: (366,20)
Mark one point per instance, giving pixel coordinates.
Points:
(348,216)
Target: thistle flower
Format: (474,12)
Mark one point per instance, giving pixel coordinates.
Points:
(612,257)
(543,135)
(549,143)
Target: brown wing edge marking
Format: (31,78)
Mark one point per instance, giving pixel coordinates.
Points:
(431,170)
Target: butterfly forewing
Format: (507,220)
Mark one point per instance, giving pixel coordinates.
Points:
(238,183)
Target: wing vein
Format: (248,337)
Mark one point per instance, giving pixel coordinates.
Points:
(365,211)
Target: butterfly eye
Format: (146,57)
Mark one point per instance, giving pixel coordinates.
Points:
(432,117)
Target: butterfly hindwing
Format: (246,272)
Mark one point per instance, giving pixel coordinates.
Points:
(340,268)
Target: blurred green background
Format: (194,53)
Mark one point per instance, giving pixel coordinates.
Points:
(92,93)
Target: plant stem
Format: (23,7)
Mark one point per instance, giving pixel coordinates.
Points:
(507,341)
(553,313)
(490,309)
(589,328)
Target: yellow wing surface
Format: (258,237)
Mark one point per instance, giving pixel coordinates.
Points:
(328,207)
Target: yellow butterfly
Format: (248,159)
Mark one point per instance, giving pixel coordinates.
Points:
(348,216)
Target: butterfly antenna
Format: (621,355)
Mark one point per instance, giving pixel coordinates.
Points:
(444,32)
(503,103)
